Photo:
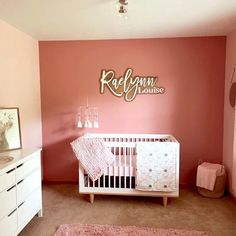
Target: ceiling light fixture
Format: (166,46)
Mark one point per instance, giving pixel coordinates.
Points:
(122,8)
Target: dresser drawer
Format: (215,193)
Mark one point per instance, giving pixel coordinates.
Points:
(28,208)
(7,179)
(7,201)
(8,225)
(27,185)
(27,167)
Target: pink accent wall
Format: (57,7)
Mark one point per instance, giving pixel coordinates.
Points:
(229,150)
(191,69)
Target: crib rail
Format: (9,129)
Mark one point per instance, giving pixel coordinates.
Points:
(133,137)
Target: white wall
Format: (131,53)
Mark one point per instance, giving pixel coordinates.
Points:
(19,81)
(229,148)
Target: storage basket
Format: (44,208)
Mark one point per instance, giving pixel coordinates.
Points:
(219,187)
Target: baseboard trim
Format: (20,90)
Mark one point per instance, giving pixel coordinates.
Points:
(232,197)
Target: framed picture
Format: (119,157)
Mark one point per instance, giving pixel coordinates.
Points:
(10,135)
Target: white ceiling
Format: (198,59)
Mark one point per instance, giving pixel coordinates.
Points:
(99,19)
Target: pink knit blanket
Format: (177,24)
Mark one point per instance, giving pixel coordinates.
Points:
(93,155)
(206,175)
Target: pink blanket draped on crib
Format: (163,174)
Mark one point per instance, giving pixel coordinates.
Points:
(93,155)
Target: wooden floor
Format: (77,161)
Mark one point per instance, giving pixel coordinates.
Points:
(62,204)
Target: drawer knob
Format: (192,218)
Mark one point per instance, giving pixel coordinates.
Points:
(8,190)
(166,154)
(150,154)
(10,171)
(20,165)
(150,170)
(149,185)
(165,170)
(21,204)
(165,186)
(11,213)
(20,181)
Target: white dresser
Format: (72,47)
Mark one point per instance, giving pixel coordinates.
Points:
(20,190)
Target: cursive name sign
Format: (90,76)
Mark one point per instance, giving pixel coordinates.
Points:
(128,86)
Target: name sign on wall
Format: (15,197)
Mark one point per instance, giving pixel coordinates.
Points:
(129,86)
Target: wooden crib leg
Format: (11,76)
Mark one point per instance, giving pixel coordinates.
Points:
(91,198)
(165,200)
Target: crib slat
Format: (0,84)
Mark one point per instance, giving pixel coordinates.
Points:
(114,174)
(88,181)
(119,167)
(130,162)
(99,183)
(124,153)
(109,177)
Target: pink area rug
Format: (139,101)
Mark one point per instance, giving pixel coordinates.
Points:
(110,230)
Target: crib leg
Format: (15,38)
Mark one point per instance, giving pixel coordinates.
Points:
(91,198)
(165,200)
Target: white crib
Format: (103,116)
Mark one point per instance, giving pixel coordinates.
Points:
(120,178)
